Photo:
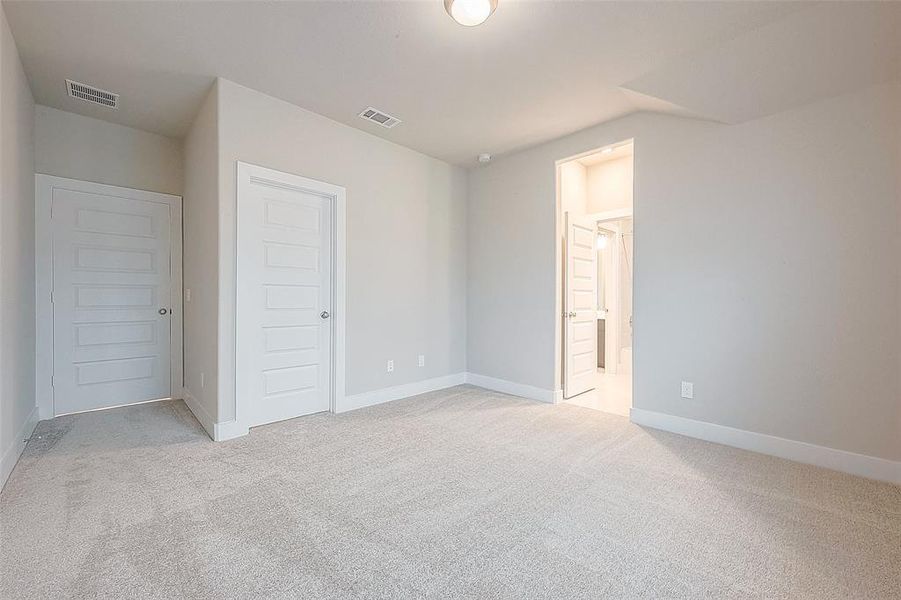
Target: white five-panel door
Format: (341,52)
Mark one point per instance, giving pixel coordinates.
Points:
(111,297)
(580,340)
(284,301)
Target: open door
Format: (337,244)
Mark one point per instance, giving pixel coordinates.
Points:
(580,341)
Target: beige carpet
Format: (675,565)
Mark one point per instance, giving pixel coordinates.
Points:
(455,494)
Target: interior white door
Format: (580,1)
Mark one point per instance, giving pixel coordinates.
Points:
(580,306)
(284,297)
(111,300)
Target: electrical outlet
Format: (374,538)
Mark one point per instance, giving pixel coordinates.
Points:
(187,294)
(421,362)
(390,366)
(688,390)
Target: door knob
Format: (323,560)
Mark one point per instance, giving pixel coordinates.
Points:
(163,311)
(324,315)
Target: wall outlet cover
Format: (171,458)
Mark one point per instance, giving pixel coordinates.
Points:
(390,366)
(421,362)
(688,390)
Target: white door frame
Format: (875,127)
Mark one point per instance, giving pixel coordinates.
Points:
(43,281)
(559,242)
(337,196)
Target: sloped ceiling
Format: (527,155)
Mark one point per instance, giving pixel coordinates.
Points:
(809,55)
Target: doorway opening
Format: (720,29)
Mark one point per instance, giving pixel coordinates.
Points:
(595,193)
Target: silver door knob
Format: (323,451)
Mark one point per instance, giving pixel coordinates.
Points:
(163,311)
(324,314)
(572,314)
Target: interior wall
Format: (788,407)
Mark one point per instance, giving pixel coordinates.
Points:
(609,185)
(406,238)
(573,188)
(79,147)
(201,256)
(18,413)
(768,269)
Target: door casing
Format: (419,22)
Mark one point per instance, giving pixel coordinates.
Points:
(43,261)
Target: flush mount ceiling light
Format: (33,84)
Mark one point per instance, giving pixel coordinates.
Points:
(470,12)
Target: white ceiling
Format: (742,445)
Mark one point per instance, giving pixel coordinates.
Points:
(533,72)
(809,55)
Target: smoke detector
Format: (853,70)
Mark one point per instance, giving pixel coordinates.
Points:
(380,118)
(89,93)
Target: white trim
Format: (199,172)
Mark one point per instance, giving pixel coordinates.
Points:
(515,389)
(12,454)
(338,197)
(821,456)
(229,430)
(398,392)
(597,150)
(339,297)
(559,241)
(43,261)
(218,432)
(200,413)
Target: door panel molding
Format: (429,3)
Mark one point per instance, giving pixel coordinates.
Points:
(96,259)
(291,256)
(580,343)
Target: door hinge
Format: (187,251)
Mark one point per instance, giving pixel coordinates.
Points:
(52,381)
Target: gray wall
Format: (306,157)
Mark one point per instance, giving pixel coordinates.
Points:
(201,254)
(79,147)
(17,331)
(406,238)
(766,269)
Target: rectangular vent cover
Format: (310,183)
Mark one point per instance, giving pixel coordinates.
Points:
(380,118)
(91,94)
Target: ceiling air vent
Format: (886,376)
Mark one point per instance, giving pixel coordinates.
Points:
(91,94)
(380,118)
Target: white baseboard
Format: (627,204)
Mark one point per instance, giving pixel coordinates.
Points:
(229,430)
(14,451)
(398,392)
(515,389)
(821,456)
(200,413)
(218,432)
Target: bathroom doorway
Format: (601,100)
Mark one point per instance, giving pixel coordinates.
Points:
(595,193)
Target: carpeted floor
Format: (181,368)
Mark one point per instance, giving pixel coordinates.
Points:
(461,493)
